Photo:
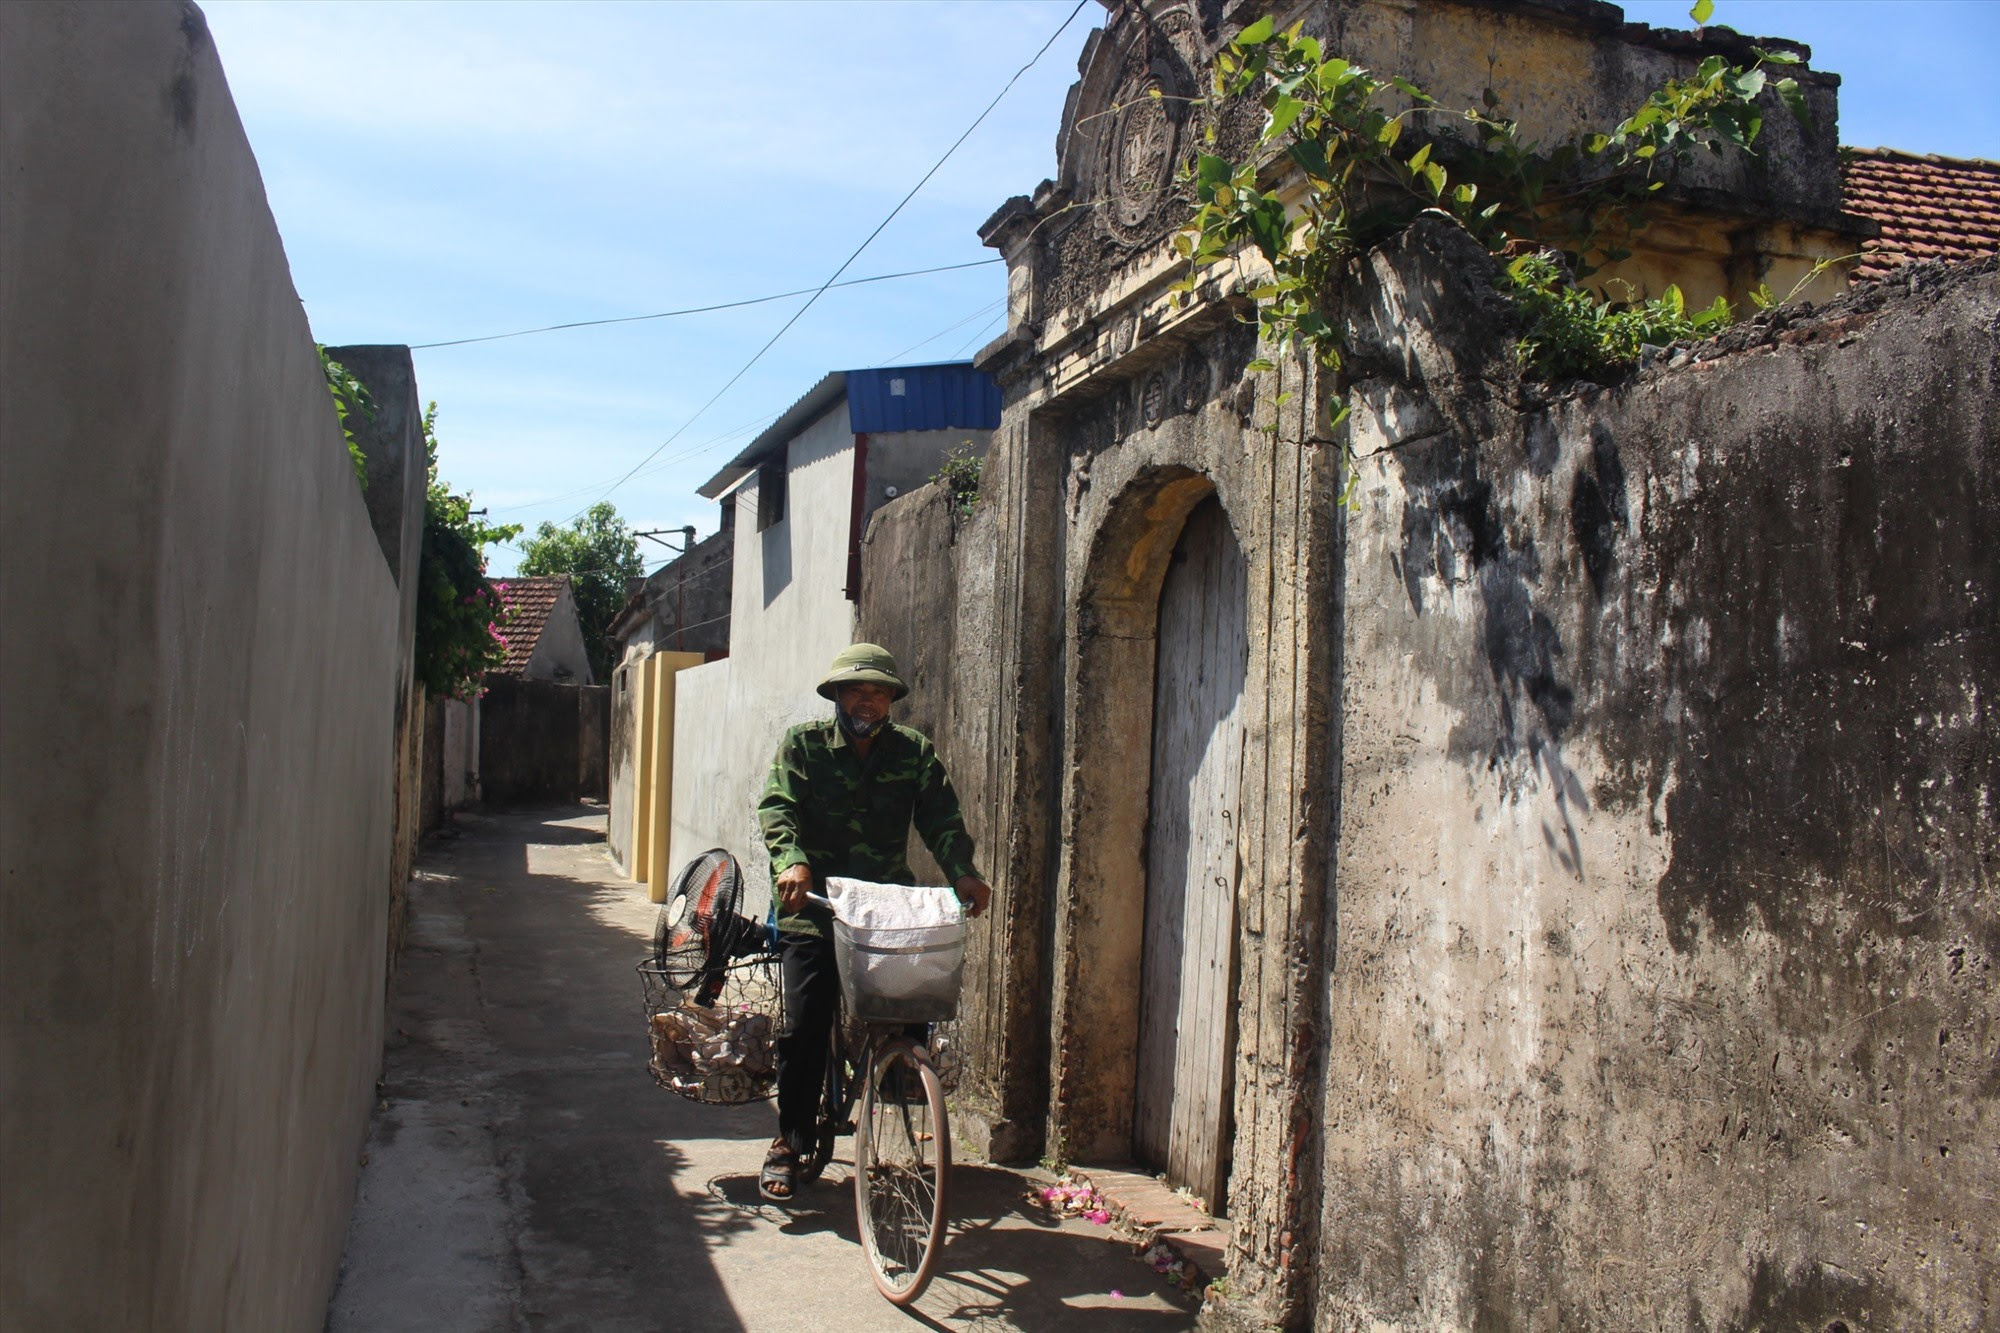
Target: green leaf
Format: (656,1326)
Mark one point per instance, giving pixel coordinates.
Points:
(1717,314)
(1211,171)
(1266,223)
(1419,158)
(1744,83)
(1465,194)
(1332,74)
(1310,155)
(1411,90)
(1285,113)
(1794,98)
(1259,32)
(1435,175)
(1391,131)
(1776,57)
(1703,11)
(1262,363)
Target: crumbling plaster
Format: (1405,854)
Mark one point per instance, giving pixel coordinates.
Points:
(1519,906)
(1665,913)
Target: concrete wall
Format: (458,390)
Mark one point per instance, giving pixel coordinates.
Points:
(686,601)
(927,592)
(391,439)
(908,459)
(196,819)
(682,606)
(1666,911)
(789,615)
(622,746)
(460,763)
(541,741)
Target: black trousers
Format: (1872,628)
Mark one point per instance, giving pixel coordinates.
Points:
(812,996)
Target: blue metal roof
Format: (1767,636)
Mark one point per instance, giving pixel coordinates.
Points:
(951,396)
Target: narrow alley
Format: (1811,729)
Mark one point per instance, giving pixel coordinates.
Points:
(523,1172)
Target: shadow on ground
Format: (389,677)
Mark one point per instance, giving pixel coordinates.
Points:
(525,1171)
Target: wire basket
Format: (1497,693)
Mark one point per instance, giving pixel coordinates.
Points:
(716,1042)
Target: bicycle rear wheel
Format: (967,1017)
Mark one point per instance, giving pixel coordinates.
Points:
(902,1169)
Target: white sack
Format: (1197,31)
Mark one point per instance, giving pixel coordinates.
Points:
(869,906)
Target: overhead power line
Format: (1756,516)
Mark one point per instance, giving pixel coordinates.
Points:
(865,243)
(701,309)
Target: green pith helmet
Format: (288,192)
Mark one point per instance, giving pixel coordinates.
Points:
(862,664)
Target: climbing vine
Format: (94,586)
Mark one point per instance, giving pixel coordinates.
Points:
(1371,152)
(349,395)
(459,612)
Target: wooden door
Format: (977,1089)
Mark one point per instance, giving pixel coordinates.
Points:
(1188,978)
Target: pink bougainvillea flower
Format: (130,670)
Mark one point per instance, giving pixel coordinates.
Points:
(1098,1215)
(1117,1295)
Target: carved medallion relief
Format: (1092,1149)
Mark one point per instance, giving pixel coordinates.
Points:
(1140,147)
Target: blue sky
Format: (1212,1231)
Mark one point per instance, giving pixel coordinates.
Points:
(445,171)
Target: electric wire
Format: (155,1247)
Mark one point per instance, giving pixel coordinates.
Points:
(697,309)
(866,242)
(986,309)
(749,428)
(978,337)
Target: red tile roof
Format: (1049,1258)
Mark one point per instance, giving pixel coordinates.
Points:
(1930,207)
(529,602)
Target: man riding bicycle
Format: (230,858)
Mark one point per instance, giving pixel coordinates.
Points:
(841,798)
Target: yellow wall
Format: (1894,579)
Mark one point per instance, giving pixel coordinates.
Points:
(656,809)
(642,784)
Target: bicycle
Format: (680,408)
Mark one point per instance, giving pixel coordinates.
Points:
(882,1082)
(881,1057)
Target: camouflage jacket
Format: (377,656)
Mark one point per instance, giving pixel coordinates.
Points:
(826,808)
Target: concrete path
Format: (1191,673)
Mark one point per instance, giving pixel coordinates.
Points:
(523,1172)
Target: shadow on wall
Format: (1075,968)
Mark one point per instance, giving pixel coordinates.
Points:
(776,542)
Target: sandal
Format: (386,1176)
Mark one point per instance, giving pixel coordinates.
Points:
(779,1180)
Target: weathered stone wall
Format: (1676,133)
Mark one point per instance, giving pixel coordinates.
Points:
(1665,911)
(927,595)
(196,749)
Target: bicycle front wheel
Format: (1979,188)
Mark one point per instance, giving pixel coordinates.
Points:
(902,1169)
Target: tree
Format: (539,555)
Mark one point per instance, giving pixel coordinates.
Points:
(599,553)
(458,610)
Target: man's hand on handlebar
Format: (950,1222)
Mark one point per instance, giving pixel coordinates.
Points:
(974,893)
(794,883)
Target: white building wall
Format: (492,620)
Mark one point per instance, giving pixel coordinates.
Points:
(790,615)
(560,649)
